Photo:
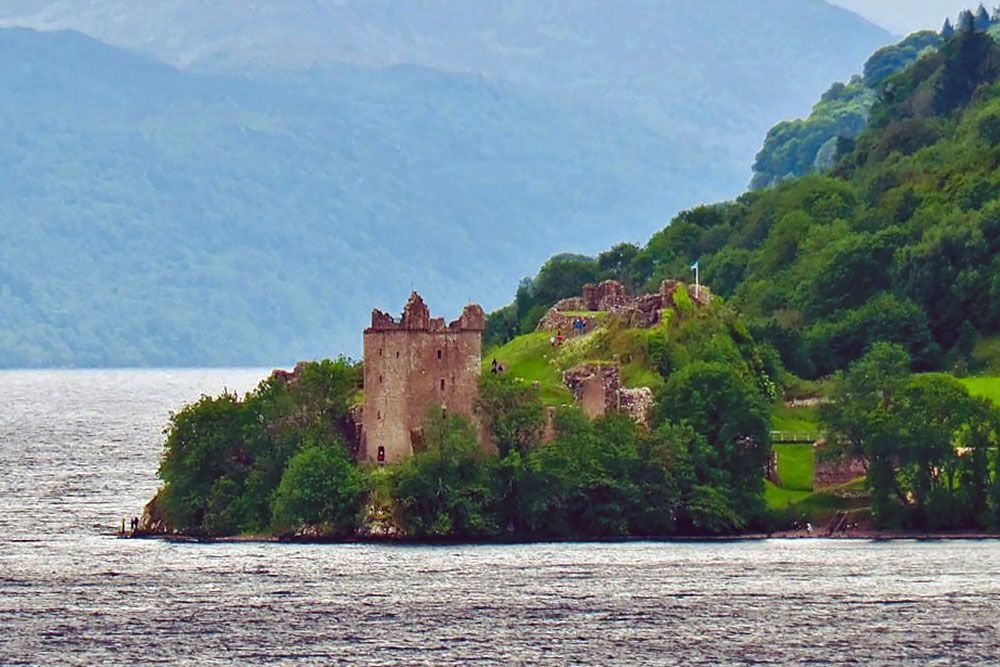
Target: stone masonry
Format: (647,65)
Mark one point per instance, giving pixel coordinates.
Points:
(610,297)
(599,391)
(411,366)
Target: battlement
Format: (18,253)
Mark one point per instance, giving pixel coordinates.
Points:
(412,365)
(417,317)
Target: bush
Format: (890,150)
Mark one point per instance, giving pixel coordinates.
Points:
(320,487)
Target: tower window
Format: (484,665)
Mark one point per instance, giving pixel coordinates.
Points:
(380,379)
(442,384)
(397,354)
(440,354)
(380,352)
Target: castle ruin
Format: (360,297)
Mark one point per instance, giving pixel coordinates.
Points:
(411,366)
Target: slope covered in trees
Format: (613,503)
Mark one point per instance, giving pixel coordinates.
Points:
(899,243)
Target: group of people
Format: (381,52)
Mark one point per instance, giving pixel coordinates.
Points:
(133,527)
(496,367)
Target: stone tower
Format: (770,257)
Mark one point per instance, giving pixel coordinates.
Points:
(411,366)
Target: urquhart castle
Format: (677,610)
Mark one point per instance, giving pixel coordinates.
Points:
(418,363)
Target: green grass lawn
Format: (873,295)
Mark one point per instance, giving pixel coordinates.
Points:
(532,358)
(784,418)
(795,467)
(819,505)
(988,387)
(986,356)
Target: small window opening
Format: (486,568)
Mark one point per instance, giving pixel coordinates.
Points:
(397,354)
(440,354)
(380,352)
(381,454)
(380,379)
(442,384)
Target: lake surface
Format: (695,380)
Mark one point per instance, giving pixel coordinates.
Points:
(79,451)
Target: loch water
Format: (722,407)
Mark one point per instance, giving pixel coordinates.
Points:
(79,451)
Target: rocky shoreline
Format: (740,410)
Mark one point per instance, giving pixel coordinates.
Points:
(857,535)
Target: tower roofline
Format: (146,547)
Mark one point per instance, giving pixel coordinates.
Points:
(416,317)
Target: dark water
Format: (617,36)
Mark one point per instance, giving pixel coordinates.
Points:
(78,450)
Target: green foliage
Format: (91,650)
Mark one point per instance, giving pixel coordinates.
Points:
(900,243)
(725,408)
(447,490)
(890,60)
(321,486)
(931,448)
(798,147)
(224,458)
(512,411)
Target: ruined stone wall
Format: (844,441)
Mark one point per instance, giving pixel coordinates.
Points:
(412,366)
(611,297)
(834,472)
(597,388)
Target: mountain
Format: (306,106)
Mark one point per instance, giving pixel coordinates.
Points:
(899,243)
(251,198)
(906,16)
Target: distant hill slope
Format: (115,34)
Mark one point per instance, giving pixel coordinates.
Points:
(251,209)
(899,243)
(682,67)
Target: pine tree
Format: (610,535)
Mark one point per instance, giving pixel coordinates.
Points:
(948,30)
(982,22)
(966,21)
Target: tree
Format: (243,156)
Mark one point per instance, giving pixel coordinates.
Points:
(859,421)
(908,429)
(966,21)
(948,30)
(722,403)
(320,487)
(512,412)
(448,490)
(982,19)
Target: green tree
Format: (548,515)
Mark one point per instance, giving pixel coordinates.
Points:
(320,487)
(948,30)
(512,412)
(724,406)
(448,490)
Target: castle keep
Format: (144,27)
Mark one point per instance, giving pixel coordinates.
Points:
(411,366)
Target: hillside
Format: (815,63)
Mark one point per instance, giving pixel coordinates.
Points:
(310,161)
(899,243)
(158,217)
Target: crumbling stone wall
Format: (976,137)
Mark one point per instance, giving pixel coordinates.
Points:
(412,365)
(836,471)
(599,391)
(610,296)
(637,403)
(597,388)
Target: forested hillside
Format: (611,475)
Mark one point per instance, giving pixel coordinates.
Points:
(899,243)
(295,164)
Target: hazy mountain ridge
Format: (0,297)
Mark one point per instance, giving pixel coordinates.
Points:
(234,215)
